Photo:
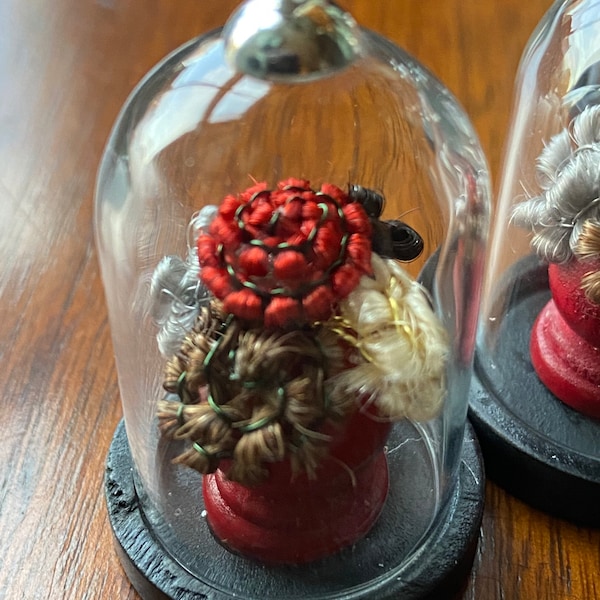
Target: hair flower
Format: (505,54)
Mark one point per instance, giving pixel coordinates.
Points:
(285,256)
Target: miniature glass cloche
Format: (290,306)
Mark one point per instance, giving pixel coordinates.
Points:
(536,403)
(291,219)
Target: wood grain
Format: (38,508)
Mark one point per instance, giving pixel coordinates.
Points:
(66,67)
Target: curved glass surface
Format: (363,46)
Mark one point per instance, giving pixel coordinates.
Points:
(197,129)
(558,80)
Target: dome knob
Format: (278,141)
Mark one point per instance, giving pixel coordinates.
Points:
(291,39)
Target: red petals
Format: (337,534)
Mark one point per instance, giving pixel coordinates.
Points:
(207,251)
(217,281)
(311,210)
(249,193)
(289,265)
(286,256)
(359,250)
(293,210)
(245,304)
(254,261)
(261,215)
(229,206)
(357,219)
(226,232)
(334,192)
(283,311)
(318,305)
(327,244)
(292,182)
(344,280)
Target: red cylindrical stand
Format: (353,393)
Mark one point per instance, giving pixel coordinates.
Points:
(565,342)
(295,519)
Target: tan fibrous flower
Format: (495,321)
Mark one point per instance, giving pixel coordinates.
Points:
(588,249)
(250,397)
(193,351)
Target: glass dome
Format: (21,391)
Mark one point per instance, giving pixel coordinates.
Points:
(545,200)
(538,356)
(286,181)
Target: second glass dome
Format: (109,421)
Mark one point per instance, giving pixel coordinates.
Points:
(537,399)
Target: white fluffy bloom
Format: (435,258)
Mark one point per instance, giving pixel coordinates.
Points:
(404,345)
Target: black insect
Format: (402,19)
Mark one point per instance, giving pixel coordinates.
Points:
(393,238)
(371,201)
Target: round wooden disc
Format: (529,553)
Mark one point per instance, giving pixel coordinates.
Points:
(437,570)
(534,446)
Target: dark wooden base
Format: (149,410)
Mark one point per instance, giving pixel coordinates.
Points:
(534,445)
(438,570)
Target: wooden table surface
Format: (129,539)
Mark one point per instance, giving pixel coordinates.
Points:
(66,67)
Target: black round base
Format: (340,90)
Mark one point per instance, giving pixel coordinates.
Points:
(438,570)
(534,446)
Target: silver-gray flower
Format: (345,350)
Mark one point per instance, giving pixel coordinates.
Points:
(569,170)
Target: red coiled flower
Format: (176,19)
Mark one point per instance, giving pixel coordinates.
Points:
(285,256)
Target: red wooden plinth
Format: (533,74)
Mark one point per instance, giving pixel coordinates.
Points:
(565,342)
(295,519)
